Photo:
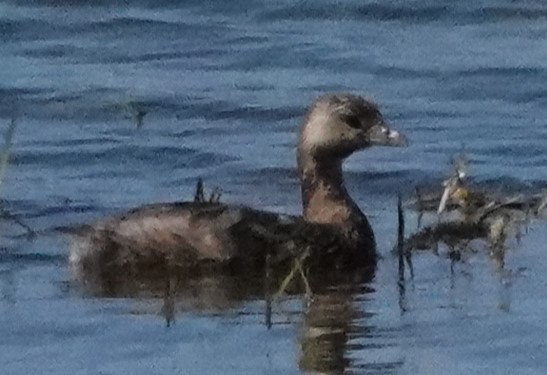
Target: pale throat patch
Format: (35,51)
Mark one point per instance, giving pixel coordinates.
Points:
(313,136)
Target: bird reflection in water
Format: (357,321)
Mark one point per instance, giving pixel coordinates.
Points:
(330,319)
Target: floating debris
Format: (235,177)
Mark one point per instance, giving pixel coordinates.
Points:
(131,109)
(542,203)
(453,182)
(297,267)
(474,214)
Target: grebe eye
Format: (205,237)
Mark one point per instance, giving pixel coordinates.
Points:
(352,121)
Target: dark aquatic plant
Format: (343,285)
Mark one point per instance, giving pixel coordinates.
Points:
(6,151)
(199,195)
(402,250)
(137,111)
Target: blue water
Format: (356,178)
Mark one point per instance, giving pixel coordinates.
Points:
(224,86)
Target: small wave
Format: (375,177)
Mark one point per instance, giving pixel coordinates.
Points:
(448,12)
(7,256)
(120,155)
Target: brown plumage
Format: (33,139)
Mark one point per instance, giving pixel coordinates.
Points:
(186,234)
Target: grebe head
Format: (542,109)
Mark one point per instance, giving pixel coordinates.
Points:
(338,125)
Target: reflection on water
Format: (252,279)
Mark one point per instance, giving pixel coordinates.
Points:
(328,324)
(331,318)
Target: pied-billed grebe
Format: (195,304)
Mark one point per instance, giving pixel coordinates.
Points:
(190,233)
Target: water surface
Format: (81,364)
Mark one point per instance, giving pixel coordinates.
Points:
(225,86)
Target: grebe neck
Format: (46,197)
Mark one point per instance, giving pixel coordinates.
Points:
(324,195)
